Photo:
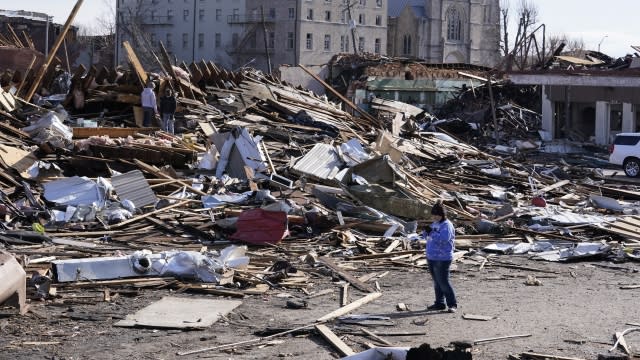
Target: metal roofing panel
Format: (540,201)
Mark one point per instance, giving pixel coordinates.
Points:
(73,191)
(322,162)
(134,187)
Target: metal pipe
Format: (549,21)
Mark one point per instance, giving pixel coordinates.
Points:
(46,37)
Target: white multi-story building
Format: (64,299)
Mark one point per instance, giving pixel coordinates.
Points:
(311,32)
(191,30)
(232,32)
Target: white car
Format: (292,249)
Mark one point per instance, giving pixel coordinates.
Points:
(625,151)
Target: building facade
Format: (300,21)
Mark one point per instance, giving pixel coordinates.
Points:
(311,32)
(256,33)
(191,30)
(445,31)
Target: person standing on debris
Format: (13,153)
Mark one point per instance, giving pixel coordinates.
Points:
(440,247)
(168,106)
(149,104)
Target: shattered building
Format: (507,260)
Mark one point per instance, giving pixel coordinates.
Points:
(586,99)
(445,31)
(31,29)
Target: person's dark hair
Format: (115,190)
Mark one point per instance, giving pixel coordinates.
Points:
(440,210)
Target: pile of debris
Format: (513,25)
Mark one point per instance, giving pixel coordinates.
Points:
(307,184)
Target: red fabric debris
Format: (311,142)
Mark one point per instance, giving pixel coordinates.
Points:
(539,201)
(257,226)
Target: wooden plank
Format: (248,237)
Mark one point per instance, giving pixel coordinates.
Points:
(375,337)
(335,341)
(622,342)
(52,53)
(394,244)
(548,357)
(137,66)
(554,186)
(477,317)
(344,295)
(350,307)
(182,203)
(352,280)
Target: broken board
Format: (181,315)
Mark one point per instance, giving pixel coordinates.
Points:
(180,313)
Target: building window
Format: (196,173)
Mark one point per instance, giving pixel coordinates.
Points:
(327,43)
(154,41)
(327,15)
(272,13)
(343,17)
(154,16)
(377,46)
(185,15)
(342,42)
(290,41)
(201,40)
(363,2)
(361,19)
(271,42)
(169,40)
(236,14)
(218,40)
(252,40)
(185,40)
(406,45)
(234,39)
(361,44)
(378,3)
(169,15)
(201,14)
(378,20)
(218,14)
(292,13)
(309,41)
(310,14)
(454,25)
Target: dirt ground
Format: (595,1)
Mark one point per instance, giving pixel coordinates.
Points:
(574,313)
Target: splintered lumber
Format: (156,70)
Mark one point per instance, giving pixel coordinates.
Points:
(246,342)
(335,341)
(52,53)
(347,277)
(134,219)
(531,355)
(554,186)
(480,341)
(350,307)
(375,337)
(137,66)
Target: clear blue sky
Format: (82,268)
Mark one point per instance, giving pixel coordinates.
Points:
(577,19)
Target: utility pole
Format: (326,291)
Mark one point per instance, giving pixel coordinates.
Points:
(353,28)
(264,34)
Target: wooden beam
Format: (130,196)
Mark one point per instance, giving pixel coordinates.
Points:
(52,53)
(335,341)
(352,306)
(351,279)
(137,66)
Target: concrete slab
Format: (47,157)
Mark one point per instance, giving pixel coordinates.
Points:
(180,313)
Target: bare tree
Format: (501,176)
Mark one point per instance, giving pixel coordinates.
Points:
(132,19)
(504,12)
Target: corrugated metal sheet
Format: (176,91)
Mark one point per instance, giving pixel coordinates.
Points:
(73,191)
(322,162)
(134,187)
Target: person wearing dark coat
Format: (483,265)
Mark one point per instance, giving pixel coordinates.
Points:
(168,104)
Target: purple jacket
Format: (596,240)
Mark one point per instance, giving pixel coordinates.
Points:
(440,245)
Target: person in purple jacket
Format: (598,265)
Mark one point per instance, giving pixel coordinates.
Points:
(440,247)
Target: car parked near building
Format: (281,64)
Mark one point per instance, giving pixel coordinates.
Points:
(625,151)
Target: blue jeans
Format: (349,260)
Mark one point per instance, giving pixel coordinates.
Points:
(168,122)
(444,291)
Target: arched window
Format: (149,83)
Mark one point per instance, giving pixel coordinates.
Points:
(406,45)
(454,25)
